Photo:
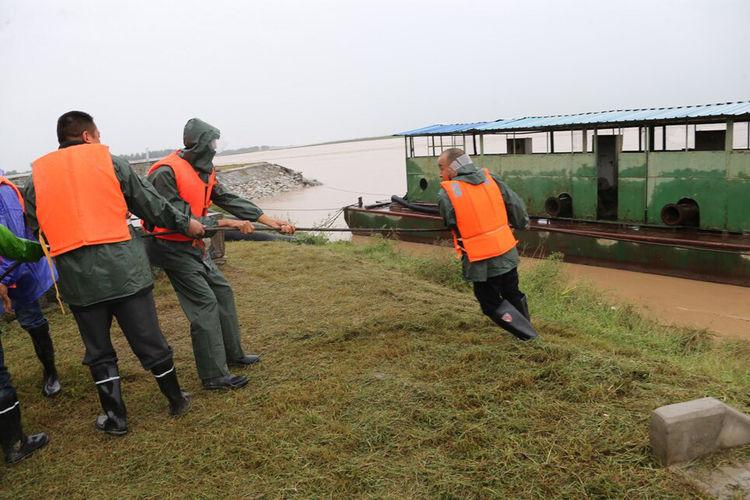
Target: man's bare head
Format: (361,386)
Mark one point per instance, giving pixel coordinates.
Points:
(446,165)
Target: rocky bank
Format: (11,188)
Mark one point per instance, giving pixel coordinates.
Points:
(262,180)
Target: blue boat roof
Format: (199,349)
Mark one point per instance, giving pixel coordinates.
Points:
(679,114)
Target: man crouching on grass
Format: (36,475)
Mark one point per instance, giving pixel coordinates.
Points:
(479,208)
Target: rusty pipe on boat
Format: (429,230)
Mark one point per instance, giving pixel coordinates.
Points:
(683,213)
(559,206)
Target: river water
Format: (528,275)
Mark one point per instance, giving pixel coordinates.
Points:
(372,169)
(375,170)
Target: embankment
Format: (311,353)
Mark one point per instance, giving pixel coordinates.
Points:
(381,378)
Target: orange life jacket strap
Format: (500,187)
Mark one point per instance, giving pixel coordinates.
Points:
(7,182)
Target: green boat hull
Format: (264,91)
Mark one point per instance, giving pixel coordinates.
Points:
(709,257)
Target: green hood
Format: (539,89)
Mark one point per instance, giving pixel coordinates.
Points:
(197,138)
(469,173)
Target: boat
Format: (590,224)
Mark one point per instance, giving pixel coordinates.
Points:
(661,190)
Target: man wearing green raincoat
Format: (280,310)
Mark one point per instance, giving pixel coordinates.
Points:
(187,179)
(495,279)
(15,443)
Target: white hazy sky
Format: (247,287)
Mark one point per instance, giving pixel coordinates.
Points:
(296,72)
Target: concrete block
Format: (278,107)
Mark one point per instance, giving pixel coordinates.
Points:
(684,431)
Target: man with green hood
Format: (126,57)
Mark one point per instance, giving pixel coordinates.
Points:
(480,210)
(187,179)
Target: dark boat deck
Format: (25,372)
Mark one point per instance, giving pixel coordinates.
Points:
(675,251)
(673,236)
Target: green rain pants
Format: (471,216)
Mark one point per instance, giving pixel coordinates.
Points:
(208,302)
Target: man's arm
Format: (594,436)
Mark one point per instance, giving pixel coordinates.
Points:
(164,182)
(518,217)
(245,210)
(446,209)
(234,204)
(16,248)
(29,198)
(144,201)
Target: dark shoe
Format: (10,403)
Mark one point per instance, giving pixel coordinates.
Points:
(247,360)
(509,318)
(51,384)
(225,382)
(107,380)
(46,354)
(16,445)
(166,377)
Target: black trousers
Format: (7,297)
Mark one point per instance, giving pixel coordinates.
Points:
(491,293)
(5,385)
(136,315)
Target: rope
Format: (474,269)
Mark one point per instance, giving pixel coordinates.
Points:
(354,192)
(51,266)
(320,230)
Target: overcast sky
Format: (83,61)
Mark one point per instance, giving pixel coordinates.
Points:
(297,72)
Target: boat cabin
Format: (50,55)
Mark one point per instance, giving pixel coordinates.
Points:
(685,166)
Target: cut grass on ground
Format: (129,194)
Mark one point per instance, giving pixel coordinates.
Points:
(381,378)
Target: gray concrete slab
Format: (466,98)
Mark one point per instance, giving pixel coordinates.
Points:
(684,431)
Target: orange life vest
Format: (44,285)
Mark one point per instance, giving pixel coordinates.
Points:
(190,187)
(7,182)
(79,201)
(481,218)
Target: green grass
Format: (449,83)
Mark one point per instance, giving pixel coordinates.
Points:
(381,378)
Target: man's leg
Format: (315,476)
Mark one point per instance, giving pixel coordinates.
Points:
(140,325)
(507,285)
(94,323)
(202,310)
(31,319)
(495,306)
(488,297)
(230,326)
(16,445)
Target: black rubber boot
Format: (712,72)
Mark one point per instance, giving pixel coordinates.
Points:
(16,444)
(225,382)
(509,318)
(244,361)
(525,308)
(107,380)
(46,354)
(166,377)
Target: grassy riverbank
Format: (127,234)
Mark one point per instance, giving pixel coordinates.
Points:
(380,377)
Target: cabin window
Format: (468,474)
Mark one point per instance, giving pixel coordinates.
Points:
(527,143)
(440,143)
(633,139)
(520,146)
(710,137)
(419,146)
(495,144)
(677,139)
(563,141)
(657,138)
(589,141)
(741,135)
(576,137)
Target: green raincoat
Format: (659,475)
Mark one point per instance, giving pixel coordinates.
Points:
(204,294)
(99,273)
(517,218)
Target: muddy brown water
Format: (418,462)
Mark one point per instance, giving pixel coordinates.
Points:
(375,170)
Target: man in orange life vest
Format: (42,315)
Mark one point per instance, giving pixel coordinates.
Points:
(187,179)
(480,209)
(78,199)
